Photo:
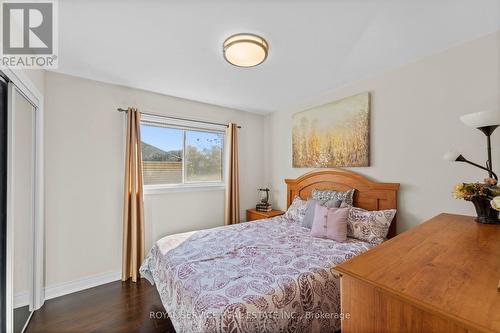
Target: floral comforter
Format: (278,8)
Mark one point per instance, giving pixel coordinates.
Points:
(265,276)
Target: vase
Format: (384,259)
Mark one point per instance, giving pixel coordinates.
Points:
(485,213)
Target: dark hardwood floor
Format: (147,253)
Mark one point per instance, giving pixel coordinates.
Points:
(113,307)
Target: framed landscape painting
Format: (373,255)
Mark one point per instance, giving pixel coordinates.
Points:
(333,135)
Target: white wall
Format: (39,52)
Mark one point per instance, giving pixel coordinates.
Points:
(36,76)
(414,121)
(84,174)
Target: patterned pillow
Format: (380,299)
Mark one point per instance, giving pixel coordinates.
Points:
(326,195)
(369,226)
(297,210)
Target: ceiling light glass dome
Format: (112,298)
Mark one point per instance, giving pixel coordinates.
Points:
(245,50)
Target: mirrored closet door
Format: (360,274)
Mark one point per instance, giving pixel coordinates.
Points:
(20,207)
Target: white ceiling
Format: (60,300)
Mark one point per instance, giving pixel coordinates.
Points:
(175,47)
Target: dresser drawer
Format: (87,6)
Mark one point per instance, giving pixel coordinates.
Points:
(253,215)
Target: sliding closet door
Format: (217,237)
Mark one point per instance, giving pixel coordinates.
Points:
(21,216)
(3,202)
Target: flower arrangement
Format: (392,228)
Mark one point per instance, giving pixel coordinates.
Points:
(485,197)
(469,191)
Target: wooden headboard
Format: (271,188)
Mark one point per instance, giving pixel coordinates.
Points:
(369,195)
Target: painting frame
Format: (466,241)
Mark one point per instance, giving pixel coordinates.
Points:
(332,135)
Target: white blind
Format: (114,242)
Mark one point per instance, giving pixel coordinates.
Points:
(165,121)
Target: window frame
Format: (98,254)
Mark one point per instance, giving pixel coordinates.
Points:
(186,125)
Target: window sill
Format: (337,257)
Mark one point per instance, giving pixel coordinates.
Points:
(162,189)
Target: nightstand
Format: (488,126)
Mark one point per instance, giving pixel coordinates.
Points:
(253,215)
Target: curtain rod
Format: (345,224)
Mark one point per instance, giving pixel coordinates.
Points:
(160,115)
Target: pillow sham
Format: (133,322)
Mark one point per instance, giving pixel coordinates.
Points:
(330,223)
(346,198)
(296,211)
(369,226)
(307,221)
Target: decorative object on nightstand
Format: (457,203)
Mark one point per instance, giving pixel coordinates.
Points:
(480,194)
(263,205)
(253,214)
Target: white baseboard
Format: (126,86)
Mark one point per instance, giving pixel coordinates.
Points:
(21,299)
(69,287)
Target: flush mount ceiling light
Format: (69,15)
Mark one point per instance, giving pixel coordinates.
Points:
(245,50)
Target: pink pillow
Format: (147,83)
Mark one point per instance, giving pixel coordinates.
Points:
(330,223)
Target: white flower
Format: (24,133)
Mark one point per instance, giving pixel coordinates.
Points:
(495,203)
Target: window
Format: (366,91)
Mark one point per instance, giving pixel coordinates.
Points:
(179,153)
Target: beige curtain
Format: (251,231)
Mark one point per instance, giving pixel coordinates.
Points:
(232,199)
(133,210)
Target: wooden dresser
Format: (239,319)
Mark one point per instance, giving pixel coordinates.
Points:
(441,276)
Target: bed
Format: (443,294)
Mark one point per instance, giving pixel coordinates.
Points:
(264,276)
